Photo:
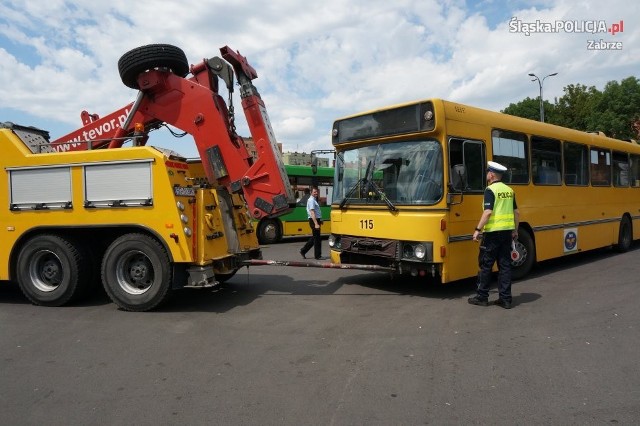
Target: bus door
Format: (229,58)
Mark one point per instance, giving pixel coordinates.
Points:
(467,181)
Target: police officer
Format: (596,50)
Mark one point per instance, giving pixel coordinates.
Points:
(499,220)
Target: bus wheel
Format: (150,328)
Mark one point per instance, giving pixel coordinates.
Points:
(136,272)
(269,231)
(527,250)
(51,271)
(624,235)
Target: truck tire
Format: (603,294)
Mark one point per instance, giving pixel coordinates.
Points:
(269,231)
(136,272)
(148,57)
(51,271)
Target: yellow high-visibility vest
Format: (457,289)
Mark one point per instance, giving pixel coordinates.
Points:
(501,218)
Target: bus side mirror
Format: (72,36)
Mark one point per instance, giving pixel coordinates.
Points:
(458,177)
(458,184)
(314,165)
(454,198)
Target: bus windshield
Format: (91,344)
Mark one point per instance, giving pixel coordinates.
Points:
(392,173)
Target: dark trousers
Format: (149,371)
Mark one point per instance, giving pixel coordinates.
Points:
(495,246)
(315,240)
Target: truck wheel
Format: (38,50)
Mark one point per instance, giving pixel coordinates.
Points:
(269,231)
(148,57)
(527,249)
(51,271)
(625,235)
(136,272)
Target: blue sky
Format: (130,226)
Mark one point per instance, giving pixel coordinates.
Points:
(316,61)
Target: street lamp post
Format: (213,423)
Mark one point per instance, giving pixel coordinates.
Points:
(540,82)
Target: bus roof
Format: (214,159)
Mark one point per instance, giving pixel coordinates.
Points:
(499,120)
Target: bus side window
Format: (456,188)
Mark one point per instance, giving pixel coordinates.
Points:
(620,169)
(634,171)
(466,158)
(303,200)
(475,165)
(546,158)
(600,167)
(511,150)
(548,175)
(576,164)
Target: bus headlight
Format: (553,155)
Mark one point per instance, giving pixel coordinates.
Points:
(422,251)
(334,241)
(184,218)
(187,231)
(180,205)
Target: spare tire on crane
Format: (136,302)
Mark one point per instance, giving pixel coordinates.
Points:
(149,57)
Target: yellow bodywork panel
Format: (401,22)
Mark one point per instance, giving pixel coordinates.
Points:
(137,187)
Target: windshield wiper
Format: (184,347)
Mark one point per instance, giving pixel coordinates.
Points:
(355,186)
(368,184)
(383,197)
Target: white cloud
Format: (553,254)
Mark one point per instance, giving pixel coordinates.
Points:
(316,61)
(296,127)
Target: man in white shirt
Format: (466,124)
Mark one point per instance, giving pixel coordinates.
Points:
(315,221)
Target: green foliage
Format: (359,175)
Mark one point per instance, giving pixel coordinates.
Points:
(528,108)
(612,111)
(576,108)
(619,106)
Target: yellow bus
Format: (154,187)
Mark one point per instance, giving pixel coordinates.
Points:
(409,184)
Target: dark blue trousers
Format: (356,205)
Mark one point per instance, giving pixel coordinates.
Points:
(314,241)
(495,247)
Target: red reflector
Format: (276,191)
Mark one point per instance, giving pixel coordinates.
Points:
(443,224)
(443,251)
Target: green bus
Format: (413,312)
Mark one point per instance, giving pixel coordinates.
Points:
(295,223)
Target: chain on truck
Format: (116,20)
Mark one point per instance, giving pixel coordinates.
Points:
(142,220)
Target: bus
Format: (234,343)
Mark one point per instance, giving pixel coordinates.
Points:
(410,180)
(295,223)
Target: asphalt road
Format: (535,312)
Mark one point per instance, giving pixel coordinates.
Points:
(302,346)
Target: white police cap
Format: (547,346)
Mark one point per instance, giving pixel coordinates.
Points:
(496,167)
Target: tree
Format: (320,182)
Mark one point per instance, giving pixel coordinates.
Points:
(614,111)
(636,127)
(576,108)
(618,107)
(528,108)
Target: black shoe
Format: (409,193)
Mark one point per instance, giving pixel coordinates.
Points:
(503,303)
(477,300)
(302,254)
(321,258)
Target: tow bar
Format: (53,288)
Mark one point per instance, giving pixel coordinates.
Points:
(314,264)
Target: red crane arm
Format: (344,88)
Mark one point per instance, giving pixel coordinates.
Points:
(195,106)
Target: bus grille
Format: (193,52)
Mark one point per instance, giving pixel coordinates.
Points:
(369,246)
